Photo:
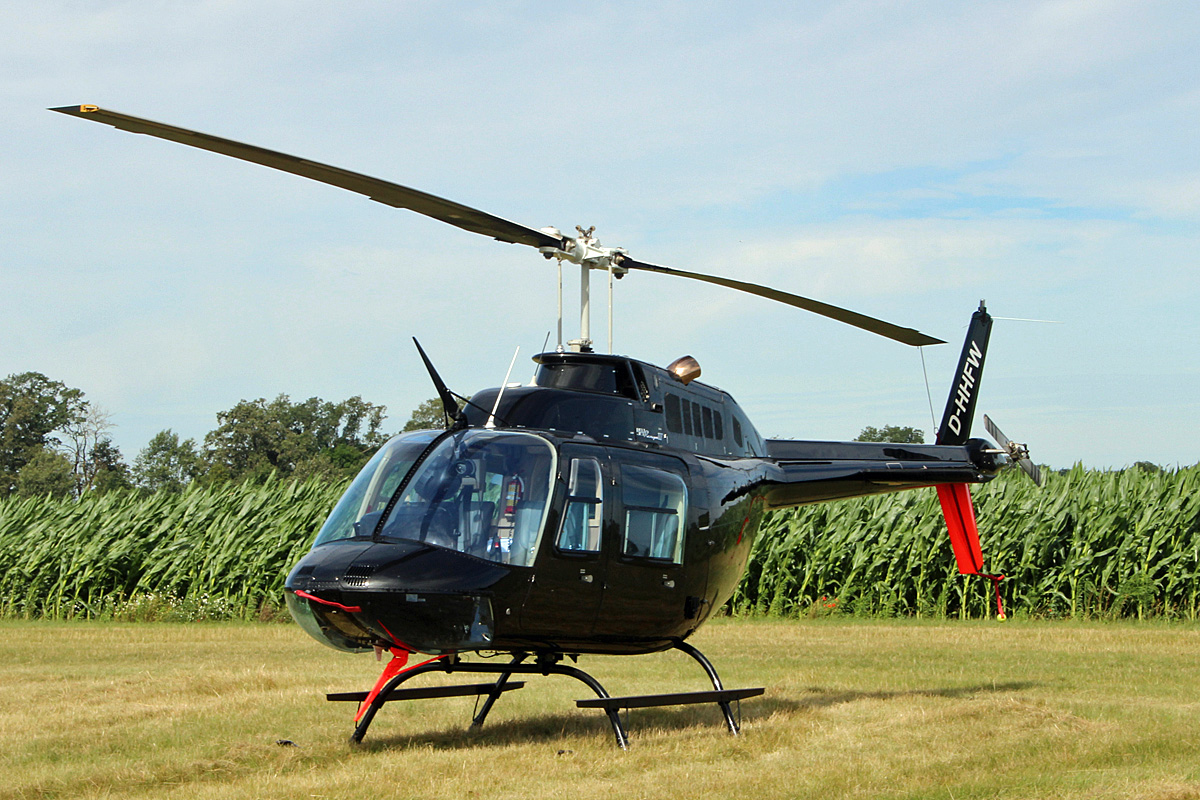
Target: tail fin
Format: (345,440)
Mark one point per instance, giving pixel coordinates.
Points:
(960,406)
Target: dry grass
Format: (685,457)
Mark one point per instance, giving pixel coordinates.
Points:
(853,709)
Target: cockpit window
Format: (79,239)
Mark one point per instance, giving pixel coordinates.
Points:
(374,486)
(480,492)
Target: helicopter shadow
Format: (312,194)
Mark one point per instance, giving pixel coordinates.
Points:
(556,727)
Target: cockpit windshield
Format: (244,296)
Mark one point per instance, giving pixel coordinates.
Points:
(374,486)
(480,492)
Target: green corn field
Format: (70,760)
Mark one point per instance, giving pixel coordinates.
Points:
(1088,544)
(215,552)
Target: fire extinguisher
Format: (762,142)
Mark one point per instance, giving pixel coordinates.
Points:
(514,492)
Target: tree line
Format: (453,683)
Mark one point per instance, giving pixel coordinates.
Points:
(54,441)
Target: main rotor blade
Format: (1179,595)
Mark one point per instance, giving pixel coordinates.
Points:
(458,215)
(904,335)
(392,194)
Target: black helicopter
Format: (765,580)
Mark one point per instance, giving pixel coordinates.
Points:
(609,507)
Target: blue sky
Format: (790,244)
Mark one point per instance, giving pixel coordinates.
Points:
(901,159)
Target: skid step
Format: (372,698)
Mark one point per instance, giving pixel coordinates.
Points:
(675,699)
(462,690)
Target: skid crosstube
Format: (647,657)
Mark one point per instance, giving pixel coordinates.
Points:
(546,664)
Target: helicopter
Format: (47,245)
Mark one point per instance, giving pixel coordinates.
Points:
(609,507)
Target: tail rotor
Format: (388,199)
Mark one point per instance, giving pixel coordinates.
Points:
(1017,451)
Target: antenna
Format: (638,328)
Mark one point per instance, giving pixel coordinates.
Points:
(449,406)
(491,420)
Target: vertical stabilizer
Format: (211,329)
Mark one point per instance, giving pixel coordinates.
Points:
(960,406)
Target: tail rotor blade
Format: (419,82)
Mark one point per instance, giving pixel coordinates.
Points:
(996,433)
(1032,470)
(1018,452)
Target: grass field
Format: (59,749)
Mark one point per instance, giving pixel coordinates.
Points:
(863,709)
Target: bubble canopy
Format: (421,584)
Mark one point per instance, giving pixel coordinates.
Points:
(481,492)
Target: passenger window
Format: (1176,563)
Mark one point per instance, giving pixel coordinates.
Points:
(687,417)
(655,513)
(697,419)
(737,431)
(708,423)
(674,421)
(719,423)
(580,531)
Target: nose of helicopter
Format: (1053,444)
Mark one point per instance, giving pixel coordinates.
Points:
(353,593)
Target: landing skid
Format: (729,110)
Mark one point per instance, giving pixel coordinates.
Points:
(545,664)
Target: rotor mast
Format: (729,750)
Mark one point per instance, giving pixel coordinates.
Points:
(589,254)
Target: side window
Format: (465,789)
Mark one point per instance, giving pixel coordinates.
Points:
(698,419)
(655,513)
(674,420)
(581,521)
(687,417)
(708,423)
(719,423)
(737,431)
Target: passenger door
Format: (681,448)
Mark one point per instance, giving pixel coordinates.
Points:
(644,591)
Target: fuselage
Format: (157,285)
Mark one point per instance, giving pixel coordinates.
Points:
(609,508)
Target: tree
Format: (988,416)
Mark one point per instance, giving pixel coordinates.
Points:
(109,470)
(257,437)
(891,433)
(46,473)
(83,436)
(167,463)
(428,416)
(32,407)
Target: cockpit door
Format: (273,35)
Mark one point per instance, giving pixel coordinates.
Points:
(567,582)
